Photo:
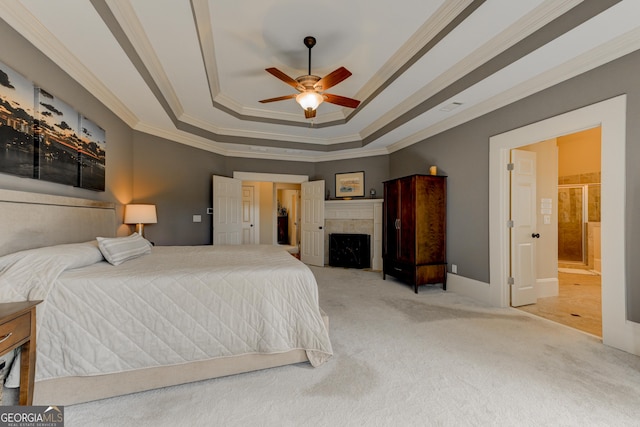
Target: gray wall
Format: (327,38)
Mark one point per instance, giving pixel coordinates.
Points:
(178,180)
(25,59)
(464,160)
(183,188)
(463,154)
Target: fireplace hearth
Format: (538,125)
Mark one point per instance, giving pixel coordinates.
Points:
(349,250)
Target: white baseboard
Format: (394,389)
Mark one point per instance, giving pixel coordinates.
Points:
(480,290)
(547,287)
(468,287)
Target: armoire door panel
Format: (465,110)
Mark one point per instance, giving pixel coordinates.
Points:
(407,223)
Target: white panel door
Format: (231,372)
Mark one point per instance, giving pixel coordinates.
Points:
(523,233)
(227,211)
(312,239)
(248,215)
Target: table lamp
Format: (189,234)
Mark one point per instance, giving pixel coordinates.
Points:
(140,215)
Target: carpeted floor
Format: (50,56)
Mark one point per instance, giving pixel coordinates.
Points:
(401,359)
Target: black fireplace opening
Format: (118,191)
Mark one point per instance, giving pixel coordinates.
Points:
(350,250)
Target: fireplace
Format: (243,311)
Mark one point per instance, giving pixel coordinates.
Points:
(349,250)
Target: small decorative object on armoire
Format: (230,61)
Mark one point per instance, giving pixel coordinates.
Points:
(414,230)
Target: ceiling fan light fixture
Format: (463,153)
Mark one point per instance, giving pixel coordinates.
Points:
(312,87)
(309,99)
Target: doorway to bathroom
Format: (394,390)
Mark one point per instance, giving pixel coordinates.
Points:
(578,300)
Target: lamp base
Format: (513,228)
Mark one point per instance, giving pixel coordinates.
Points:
(140,229)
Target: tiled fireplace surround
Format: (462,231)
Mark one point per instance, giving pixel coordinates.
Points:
(355,216)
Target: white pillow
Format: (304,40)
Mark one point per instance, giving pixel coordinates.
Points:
(117,250)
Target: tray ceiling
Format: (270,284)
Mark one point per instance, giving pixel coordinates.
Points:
(193,71)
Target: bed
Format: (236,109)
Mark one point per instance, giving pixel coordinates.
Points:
(167,316)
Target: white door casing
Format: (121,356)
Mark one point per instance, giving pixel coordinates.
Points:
(312,239)
(611,116)
(523,232)
(227,211)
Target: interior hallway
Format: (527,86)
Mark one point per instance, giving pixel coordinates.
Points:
(578,304)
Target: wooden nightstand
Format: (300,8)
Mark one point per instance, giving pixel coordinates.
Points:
(18,328)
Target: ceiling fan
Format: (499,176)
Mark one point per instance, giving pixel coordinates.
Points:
(311,87)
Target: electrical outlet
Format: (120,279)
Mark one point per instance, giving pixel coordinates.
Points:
(454,268)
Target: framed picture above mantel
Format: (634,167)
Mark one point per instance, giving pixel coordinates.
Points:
(350,185)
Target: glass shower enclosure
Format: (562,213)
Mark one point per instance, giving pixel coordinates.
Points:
(578,204)
(571,222)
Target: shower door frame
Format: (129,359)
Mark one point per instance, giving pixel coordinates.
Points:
(585,219)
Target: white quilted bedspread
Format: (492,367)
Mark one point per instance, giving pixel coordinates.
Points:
(177,305)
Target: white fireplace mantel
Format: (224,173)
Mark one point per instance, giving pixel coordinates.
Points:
(359,209)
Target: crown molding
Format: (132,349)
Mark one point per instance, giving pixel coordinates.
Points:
(182,138)
(288,155)
(524,27)
(607,52)
(128,20)
(356,153)
(202,20)
(252,134)
(258,152)
(19,17)
(233,105)
(431,28)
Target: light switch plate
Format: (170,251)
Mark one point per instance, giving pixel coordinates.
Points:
(197,218)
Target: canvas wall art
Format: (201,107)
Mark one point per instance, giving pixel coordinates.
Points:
(92,153)
(56,130)
(16,123)
(45,138)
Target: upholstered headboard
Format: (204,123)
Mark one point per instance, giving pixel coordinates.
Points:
(32,220)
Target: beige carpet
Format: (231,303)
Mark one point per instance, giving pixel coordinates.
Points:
(401,359)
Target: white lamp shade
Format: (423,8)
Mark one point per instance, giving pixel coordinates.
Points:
(140,214)
(309,99)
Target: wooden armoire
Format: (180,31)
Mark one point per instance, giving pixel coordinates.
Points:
(414,230)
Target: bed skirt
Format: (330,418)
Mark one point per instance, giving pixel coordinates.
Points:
(72,390)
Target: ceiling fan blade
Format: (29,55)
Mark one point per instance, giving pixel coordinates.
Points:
(282,76)
(332,79)
(341,100)
(279,98)
(309,114)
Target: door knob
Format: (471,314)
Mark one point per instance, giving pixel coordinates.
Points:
(251,225)
(320,228)
(535,235)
